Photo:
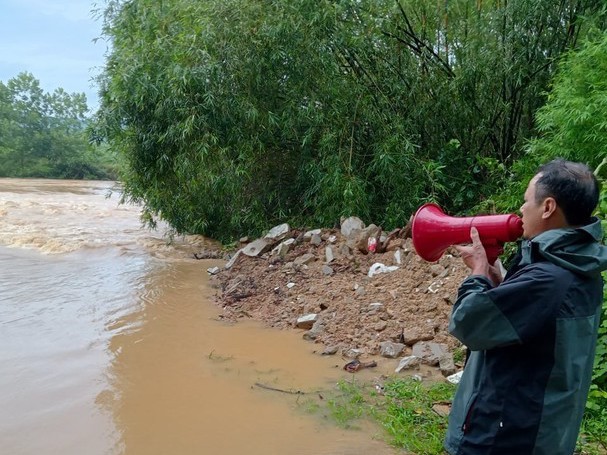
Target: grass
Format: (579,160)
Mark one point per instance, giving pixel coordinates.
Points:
(404,409)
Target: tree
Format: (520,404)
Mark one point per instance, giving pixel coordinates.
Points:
(233,115)
(44,134)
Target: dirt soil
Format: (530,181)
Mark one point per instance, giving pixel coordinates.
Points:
(416,299)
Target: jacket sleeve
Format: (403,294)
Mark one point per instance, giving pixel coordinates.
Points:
(486,317)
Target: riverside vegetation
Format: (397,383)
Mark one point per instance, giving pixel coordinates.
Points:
(46,134)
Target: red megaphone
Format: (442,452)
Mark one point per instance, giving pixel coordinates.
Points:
(433,232)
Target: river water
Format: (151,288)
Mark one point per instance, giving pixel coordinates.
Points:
(110,343)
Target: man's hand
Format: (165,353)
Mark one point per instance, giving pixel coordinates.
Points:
(475,258)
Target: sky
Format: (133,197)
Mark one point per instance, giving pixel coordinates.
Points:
(54,41)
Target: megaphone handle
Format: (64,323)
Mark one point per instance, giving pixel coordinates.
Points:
(493,251)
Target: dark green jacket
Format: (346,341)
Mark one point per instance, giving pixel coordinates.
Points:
(533,340)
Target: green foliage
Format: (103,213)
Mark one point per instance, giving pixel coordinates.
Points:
(349,405)
(410,420)
(404,408)
(571,123)
(234,115)
(44,134)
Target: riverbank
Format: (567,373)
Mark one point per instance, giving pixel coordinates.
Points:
(348,296)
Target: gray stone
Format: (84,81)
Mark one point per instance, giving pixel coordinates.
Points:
(329,256)
(429,352)
(353,353)
(398,257)
(446,364)
(303,260)
(317,329)
(436,269)
(359,238)
(316,240)
(407,363)
(278,232)
(390,349)
(326,270)
(233,260)
(308,235)
(257,247)
(213,270)
(350,224)
(344,250)
(330,350)
(412,336)
(307,321)
(381,326)
(375,307)
(283,248)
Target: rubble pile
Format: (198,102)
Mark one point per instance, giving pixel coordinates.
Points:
(355,291)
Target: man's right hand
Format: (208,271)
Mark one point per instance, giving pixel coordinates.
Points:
(475,257)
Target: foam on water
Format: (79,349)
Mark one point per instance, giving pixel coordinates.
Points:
(85,215)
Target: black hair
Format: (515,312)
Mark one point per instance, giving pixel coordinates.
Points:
(572,185)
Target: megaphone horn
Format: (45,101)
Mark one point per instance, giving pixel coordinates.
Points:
(433,232)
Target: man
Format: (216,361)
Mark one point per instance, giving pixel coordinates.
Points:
(532,336)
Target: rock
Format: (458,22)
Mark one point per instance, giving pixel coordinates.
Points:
(330,350)
(303,260)
(316,240)
(329,256)
(398,257)
(375,307)
(232,260)
(307,321)
(429,352)
(436,269)
(344,250)
(408,363)
(434,287)
(244,240)
(412,336)
(353,353)
(380,326)
(350,224)
(278,232)
(358,239)
(213,270)
(326,270)
(317,329)
(257,247)
(309,234)
(442,409)
(446,364)
(283,248)
(391,350)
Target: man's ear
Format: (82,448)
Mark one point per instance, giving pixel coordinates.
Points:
(549,207)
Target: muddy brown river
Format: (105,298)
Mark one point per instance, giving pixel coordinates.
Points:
(110,343)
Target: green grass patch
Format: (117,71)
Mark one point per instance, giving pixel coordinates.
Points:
(409,411)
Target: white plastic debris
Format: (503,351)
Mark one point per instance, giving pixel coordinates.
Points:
(455,378)
(378,267)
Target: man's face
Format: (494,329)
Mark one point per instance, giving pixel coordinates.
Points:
(532,211)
